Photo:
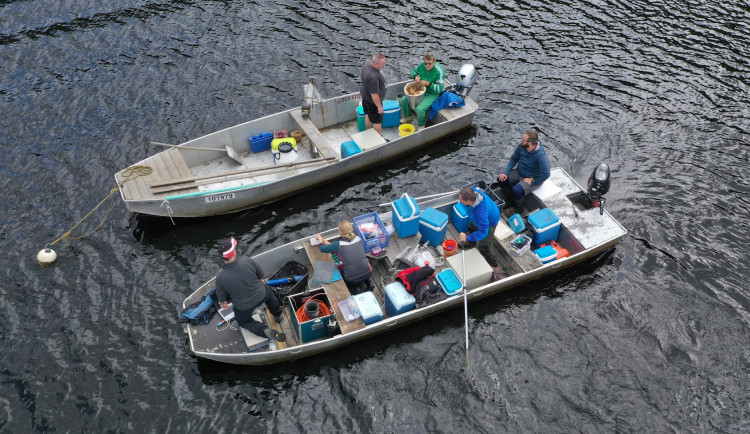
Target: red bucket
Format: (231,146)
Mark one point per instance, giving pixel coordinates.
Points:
(449,248)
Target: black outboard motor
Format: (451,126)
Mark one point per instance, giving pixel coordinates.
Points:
(598,186)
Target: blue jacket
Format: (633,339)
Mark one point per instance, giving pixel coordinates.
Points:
(530,164)
(485,214)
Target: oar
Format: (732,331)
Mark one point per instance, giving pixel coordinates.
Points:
(228,149)
(426,197)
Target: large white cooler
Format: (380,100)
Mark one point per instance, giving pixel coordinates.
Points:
(478,271)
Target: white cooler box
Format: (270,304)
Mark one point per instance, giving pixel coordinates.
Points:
(478,271)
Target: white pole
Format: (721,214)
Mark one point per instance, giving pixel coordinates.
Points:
(466,299)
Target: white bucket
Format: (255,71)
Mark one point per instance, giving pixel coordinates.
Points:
(415,99)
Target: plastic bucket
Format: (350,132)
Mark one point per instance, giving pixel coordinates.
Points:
(449,248)
(414,91)
(405,129)
(296,135)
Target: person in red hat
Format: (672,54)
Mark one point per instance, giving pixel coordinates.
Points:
(240,280)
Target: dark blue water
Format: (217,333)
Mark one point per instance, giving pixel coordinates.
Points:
(650,337)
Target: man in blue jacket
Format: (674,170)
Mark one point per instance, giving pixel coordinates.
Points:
(532,170)
(484,216)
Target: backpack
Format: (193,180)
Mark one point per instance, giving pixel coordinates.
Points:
(200,312)
(430,293)
(415,278)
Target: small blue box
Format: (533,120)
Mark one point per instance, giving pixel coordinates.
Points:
(516,223)
(361,125)
(432,225)
(546,254)
(349,148)
(460,217)
(405,213)
(450,283)
(261,142)
(369,307)
(545,224)
(397,299)
(391,113)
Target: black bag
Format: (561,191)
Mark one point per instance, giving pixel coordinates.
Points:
(431,292)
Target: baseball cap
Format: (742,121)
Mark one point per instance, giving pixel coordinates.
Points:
(226,248)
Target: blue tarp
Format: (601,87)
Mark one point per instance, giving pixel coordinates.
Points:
(447,99)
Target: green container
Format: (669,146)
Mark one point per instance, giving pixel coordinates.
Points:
(361,118)
(314,328)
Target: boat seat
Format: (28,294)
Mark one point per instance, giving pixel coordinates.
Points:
(312,133)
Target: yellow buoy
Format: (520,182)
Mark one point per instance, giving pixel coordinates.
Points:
(46,257)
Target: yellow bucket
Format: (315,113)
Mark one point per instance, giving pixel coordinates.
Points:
(405,129)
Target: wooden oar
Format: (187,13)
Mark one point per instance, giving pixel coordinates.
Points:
(228,149)
(240,172)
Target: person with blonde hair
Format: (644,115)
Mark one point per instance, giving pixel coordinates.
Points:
(356,271)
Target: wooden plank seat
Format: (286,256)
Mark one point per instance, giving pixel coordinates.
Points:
(311,131)
(336,291)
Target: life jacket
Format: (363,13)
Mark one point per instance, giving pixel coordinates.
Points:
(200,312)
(561,252)
(415,278)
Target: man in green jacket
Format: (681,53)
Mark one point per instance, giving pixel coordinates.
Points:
(431,75)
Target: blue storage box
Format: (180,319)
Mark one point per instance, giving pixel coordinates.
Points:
(405,213)
(397,299)
(516,223)
(391,113)
(261,142)
(369,307)
(546,254)
(361,125)
(545,224)
(450,283)
(372,231)
(432,225)
(460,217)
(313,328)
(349,148)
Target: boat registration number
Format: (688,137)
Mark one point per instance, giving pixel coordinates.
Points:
(219,197)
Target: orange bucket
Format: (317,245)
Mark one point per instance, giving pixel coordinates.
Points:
(449,248)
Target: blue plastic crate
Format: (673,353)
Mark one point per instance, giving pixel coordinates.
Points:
(371,230)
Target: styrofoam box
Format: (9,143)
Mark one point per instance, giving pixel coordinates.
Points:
(545,224)
(397,299)
(478,271)
(405,213)
(546,254)
(450,283)
(460,217)
(369,307)
(433,225)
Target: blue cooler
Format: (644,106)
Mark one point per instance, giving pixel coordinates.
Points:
(432,225)
(405,216)
(261,142)
(369,307)
(397,299)
(349,148)
(391,113)
(361,125)
(450,283)
(545,224)
(546,254)
(460,217)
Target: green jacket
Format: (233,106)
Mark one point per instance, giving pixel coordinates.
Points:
(436,77)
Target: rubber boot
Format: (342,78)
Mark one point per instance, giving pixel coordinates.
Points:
(519,205)
(508,195)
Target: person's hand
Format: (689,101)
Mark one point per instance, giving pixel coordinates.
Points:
(417,79)
(224,304)
(380,109)
(529,180)
(502,177)
(319,238)
(462,237)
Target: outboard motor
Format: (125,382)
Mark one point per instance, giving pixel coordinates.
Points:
(598,186)
(467,76)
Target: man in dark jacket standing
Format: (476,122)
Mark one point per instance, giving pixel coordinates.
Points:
(373,90)
(240,280)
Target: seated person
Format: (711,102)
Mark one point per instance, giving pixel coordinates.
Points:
(356,271)
(432,76)
(484,215)
(532,170)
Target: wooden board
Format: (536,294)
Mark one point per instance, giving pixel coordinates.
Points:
(312,133)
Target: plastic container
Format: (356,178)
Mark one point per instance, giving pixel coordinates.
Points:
(545,224)
(391,113)
(425,258)
(280,134)
(405,129)
(397,299)
(284,150)
(349,309)
(450,282)
(406,214)
(261,142)
(433,225)
(546,254)
(349,148)
(450,247)
(296,135)
(369,307)
(520,244)
(460,217)
(361,125)
(371,230)
(516,223)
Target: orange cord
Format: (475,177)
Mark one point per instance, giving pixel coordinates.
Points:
(322,306)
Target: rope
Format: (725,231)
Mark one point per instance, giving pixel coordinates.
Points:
(322,306)
(130,172)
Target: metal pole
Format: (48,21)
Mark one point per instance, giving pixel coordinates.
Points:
(466,299)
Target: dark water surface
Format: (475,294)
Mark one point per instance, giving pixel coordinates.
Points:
(649,337)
